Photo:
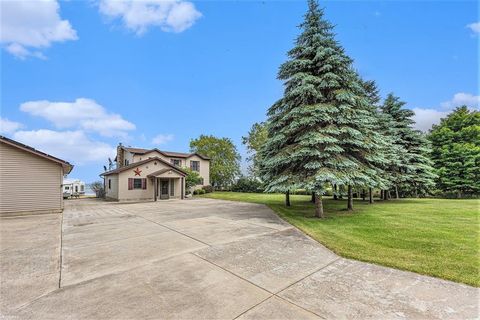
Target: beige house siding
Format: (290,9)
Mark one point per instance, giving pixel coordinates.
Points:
(29,183)
(140,157)
(130,157)
(204,169)
(112,192)
(185,163)
(143,194)
(119,180)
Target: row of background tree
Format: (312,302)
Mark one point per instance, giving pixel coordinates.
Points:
(452,146)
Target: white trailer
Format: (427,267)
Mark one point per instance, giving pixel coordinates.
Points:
(73,188)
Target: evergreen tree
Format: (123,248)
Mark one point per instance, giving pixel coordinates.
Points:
(388,149)
(421,178)
(322,130)
(412,170)
(456,152)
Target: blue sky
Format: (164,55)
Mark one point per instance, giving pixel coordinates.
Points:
(162,74)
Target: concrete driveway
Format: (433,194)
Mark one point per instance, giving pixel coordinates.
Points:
(205,259)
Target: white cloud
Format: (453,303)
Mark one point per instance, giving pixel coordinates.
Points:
(8,127)
(425,118)
(29,25)
(460,99)
(138,16)
(475,27)
(81,114)
(73,146)
(162,139)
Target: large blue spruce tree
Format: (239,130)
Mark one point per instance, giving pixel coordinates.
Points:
(413,171)
(322,131)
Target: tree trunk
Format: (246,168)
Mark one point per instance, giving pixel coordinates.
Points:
(396,192)
(364,194)
(381,194)
(313,197)
(287,198)
(389,196)
(319,206)
(370,195)
(350,198)
(335,197)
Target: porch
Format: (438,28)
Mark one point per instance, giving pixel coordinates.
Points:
(168,184)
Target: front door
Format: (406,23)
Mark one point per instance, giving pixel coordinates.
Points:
(164,189)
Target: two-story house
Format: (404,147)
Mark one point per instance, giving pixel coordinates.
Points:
(152,174)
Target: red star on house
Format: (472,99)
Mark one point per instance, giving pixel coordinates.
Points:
(137,171)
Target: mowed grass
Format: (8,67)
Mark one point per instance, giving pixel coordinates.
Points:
(436,237)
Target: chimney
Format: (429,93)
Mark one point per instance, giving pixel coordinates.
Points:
(120,156)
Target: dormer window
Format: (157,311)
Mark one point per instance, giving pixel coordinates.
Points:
(176,162)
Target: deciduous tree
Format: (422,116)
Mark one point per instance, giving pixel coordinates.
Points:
(456,152)
(254,141)
(224,158)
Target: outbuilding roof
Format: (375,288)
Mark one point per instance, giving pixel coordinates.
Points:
(67,167)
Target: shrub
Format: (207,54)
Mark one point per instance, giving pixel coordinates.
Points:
(97,187)
(192,179)
(198,191)
(245,184)
(207,189)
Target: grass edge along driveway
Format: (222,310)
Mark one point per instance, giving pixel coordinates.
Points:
(435,237)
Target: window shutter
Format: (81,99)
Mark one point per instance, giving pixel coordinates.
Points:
(130,183)
(144,184)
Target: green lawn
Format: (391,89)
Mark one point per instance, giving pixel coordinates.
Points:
(436,237)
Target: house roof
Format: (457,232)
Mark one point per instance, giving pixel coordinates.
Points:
(67,167)
(70,181)
(165,153)
(159,172)
(136,164)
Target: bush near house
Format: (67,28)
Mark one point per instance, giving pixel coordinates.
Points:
(192,179)
(198,191)
(247,184)
(208,189)
(98,188)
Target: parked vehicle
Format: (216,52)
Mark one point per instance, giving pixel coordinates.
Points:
(73,188)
